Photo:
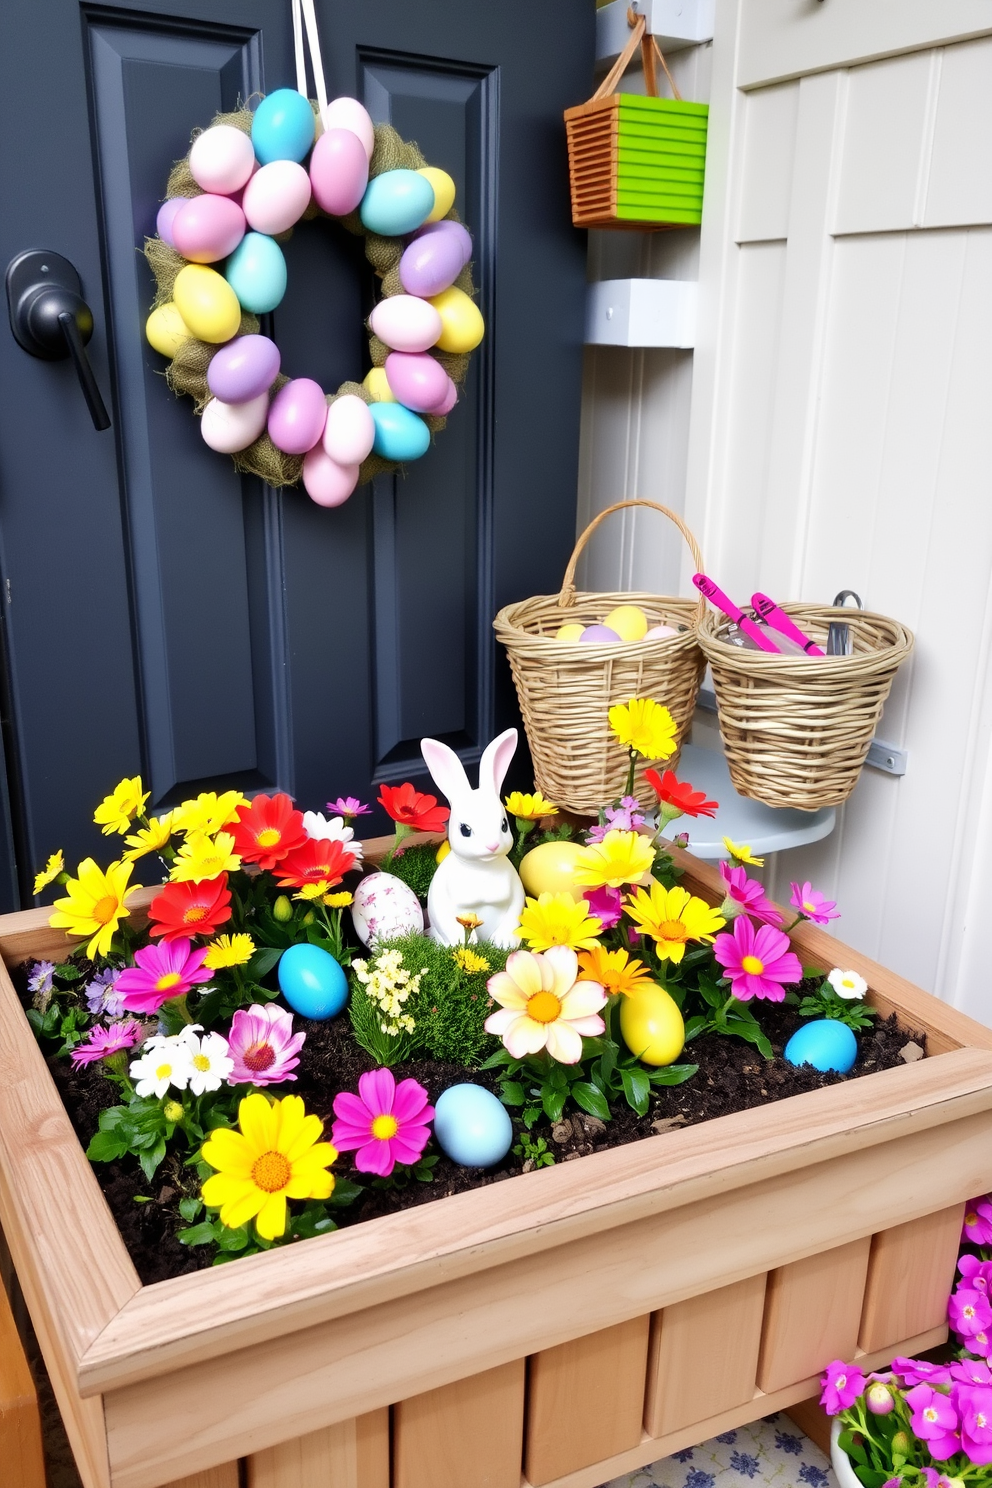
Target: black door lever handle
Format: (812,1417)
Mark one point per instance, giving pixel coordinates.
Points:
(50,319)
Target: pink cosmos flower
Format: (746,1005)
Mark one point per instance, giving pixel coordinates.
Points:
(971,1372)
(162,971)
(934,1421)
(976,1273)
(101,1043)
(746,896)
(349,807)
(812,905)
(758,962)
(384,1124)
(263,1046)
(605,905)
(842,1384)
(974,1403)
(919,1371)
(968,1312)
(978,1220)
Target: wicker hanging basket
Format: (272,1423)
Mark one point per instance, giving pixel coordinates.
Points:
(796,729)
(566,689)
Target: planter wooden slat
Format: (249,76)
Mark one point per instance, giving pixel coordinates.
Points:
(469,1432)
(352,1454)
(21,1459)
(688,1379)
(910,1274)
(812,1313)
(214,1477)
(585,1399)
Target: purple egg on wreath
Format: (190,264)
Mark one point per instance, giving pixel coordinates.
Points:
(599,635)
(243,369)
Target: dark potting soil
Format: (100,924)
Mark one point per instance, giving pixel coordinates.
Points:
(732,1076)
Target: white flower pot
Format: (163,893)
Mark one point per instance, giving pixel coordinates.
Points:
(839,1461)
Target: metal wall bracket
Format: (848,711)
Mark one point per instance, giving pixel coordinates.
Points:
(887,757)
(641,312)
(676,23)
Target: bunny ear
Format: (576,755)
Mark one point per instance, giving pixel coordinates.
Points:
(446,768)
(495,761)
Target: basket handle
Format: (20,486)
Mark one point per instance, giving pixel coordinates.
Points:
(566,596)
(649,49)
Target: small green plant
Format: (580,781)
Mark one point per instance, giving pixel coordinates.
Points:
(451,1003)
(535,1150)
(416,866)
(381,1008)
(825,1002)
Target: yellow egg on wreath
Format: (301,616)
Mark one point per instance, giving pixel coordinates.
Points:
(550,869)
(652,1025)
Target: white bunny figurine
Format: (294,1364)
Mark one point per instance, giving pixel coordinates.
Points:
(475,878)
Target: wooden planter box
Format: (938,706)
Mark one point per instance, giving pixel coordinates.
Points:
(554,1329)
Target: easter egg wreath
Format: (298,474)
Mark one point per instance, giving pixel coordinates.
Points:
(245,184)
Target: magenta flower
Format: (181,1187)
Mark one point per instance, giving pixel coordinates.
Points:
(894,1483)
(263,1046)
(842,1385)
(977,1274)
(812,905)
(162,971)
(971,1372)
(879,1399)
(349,807)
(758,962)
(974,1403)
(978,1220)
(981,1343)
(934,1420)
(919,1371)
(101,1043)
(746,896)
(605,905)
(935,1479)
(968,1312)
(626,817)
(384,1123)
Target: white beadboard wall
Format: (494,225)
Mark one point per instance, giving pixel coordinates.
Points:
(832,430)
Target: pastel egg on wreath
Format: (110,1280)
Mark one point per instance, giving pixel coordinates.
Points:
(462,325)
(230,427)
(243,369)
(376,384)
(431,263)
(399,433)
(349,432)
(471,1126)
(825,1043)
(629,621)
(384,908)
(652,1025)
(406,323)
(166,217)
(325,481)
(570,632)
(207,303)
(599,635)
(208,228)
(339,171)
(283,127)
(449,400)
(550,868)
(417,380)
(257,273)
(348,113)
(397,202)
(166,330)
(297,416)
(312,982)
(456,231)
(276,197)
(221,159)
(443,188)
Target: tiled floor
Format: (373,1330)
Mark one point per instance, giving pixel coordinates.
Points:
(772,1453)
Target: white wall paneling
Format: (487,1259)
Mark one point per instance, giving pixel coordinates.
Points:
(676,23)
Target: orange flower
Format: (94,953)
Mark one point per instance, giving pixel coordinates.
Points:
(615,971)
(320,860)
(410,808)
(267,829)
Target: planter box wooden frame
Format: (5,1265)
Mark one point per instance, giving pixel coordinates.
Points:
(555,1329)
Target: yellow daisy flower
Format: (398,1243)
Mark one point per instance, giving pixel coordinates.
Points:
(277,1155)
(151,838)
(320,890)
(96,904)
(529,807)
(672,917)
(470,960)
(50,872)
(203,857)
(229,950)
(339,901)
(646,727)
(741,853)
(556,919)
(615,971)
(208,813)
(621,858)
(116,811)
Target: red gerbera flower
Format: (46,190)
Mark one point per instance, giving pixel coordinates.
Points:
(267,829)
(319,860)
(185,909)
(411,809)
(680,795)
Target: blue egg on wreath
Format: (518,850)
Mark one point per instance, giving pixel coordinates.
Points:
(256,271)
(399,434)
(312,982)
(397,202)
(283,127)
(825,1043)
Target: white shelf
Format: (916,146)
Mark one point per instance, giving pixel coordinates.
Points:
(641,312)
(676,23)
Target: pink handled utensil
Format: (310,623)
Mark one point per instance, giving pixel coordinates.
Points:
(717,597)
(776,617)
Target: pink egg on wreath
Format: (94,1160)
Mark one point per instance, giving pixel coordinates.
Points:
(276,197)
(406,323)
(167,216)
(417,380)
(208,228)
(297,416)
(339,172)
(448,402)
(349,432)
(325,481)
(348,113)
(230,427)
(221,159)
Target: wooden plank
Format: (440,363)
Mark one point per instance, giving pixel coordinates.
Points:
(910,1274)
(20,1421)
(469,1432)
(352,1454)
(813,1421)
(812,1314)
(688,1379)
(585,1399)
(214,1477)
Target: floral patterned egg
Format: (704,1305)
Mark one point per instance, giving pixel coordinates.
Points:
(384,908)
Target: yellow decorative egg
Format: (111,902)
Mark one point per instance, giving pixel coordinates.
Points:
(166,330)
(652,1025)
(442,851)
(376,383)
(444,191)
(207,303)
(550,869)
(462,326)
(629,622)
(569,632)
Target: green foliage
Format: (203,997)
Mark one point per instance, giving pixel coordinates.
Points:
(452,1004)
(535,1150)
(366,1024)
(416,866)
(313,1220)
(824,1003)
(139,1128)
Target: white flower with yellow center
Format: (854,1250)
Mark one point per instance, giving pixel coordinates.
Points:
(847,984)
(542,1006)
(209,1060)
(164,1064)
(332,829)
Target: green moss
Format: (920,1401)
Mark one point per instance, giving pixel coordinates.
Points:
(451,1005)
(416,867)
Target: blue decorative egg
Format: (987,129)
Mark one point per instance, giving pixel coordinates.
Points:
(396,202)
(283,127)
(256,271)
(826,1044)
(312,982)
(399,434)
(471,1126)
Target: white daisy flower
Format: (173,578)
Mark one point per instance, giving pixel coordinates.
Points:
(847,984)
(166,1063)
(324,829)
(210,1064)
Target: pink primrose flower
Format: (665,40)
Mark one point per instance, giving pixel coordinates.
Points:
(162,971)
(971,1372)
(879,1399)
(935,1479)
(758,962)
(101,1043)
(976,1273)
(978,1220)
(384,1124)
(746,896)
(812,905)
(263,1046)
(842,1384)
(919,1371)
(605,905)
(974,1403)
(894,1483)
(934,1420)
(981,1343)
(968,1312)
